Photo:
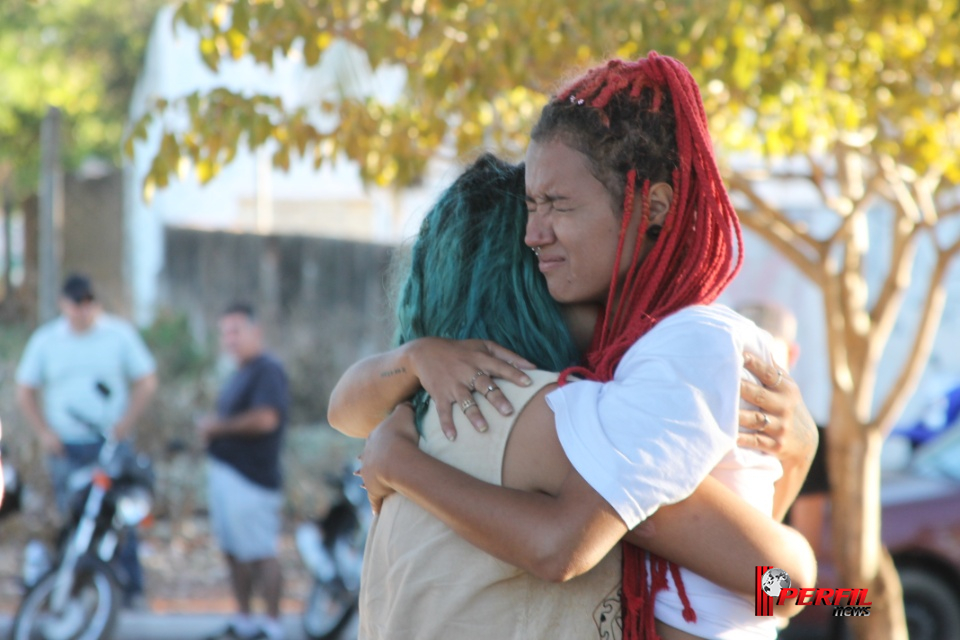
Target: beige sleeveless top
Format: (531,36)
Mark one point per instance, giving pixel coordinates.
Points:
(421,581)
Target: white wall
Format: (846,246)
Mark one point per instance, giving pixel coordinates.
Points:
(299,201)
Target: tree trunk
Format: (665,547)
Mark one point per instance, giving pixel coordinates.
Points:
(854,468)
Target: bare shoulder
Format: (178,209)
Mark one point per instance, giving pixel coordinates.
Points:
(534,459)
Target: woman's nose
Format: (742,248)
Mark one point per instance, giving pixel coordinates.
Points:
(538,232)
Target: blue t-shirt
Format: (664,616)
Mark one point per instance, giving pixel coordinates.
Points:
(84,377)
(257,384)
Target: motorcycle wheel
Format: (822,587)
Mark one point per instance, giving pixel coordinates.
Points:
(90,612)
(325,613)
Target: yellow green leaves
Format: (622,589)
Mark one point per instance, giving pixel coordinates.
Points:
(778,78)
(80,56)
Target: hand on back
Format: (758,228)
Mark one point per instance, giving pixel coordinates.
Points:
(781,426)
(458,374)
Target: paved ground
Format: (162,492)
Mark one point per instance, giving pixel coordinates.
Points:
(149,626)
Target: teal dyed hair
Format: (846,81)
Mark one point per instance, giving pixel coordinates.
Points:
(471,276)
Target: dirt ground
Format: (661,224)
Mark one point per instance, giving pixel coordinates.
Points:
(184,571)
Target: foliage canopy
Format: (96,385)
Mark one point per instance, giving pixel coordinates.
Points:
(82,56)
(778,77)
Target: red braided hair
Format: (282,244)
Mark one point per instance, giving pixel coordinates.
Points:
(698,253)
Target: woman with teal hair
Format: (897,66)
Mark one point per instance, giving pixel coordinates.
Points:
(471,278)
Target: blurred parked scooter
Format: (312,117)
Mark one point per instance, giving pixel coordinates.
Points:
(332,550)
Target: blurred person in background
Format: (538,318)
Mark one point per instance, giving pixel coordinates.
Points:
(96,377)
(244,488)
(808,511)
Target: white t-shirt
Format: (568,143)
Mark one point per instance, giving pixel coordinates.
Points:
(668,419)
(68,367)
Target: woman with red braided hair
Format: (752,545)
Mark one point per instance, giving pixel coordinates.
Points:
(627,213)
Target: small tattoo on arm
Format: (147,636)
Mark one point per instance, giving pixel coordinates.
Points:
(392,372)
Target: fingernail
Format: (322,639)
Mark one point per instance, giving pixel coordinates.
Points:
(526,381)
(505,409)
(450,436)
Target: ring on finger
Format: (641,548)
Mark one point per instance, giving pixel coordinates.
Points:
(766,422)
(779,378)
(466,404)
(490,388)
(473,380)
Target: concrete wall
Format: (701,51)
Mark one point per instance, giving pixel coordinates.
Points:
(93,242)
(93,236)
(324,302)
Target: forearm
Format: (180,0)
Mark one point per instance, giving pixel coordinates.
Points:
(27,399)
(141,393)
(554,538)
(795,470)
(369,390)
(249,423)
(740,538)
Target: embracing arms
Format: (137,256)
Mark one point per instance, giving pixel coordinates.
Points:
(370,389)
(557,537)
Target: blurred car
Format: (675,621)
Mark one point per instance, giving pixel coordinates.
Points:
(920,501)
(939,416)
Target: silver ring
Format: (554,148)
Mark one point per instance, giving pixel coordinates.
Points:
(779,378)
(473,380)
(466,404)
(766,422)
(489,389)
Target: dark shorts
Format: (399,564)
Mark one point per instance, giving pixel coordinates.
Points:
(818,482)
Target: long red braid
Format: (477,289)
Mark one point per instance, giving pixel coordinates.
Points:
(698,253)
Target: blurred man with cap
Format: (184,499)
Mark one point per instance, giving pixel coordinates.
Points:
(95,375)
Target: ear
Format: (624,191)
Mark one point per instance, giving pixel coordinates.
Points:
(794,353)
(661,196)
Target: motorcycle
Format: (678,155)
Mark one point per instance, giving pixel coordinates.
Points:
(79,597)
(332,550)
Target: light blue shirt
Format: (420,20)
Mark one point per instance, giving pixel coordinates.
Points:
(68,367)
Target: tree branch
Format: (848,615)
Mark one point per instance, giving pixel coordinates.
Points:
(806,265)
(952,251)
(853,303)
(925,189)
(931,313)
(898,278)
(817,178)
(950,211)
(889,304)
(900,190)
(837,348)
(780,231)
